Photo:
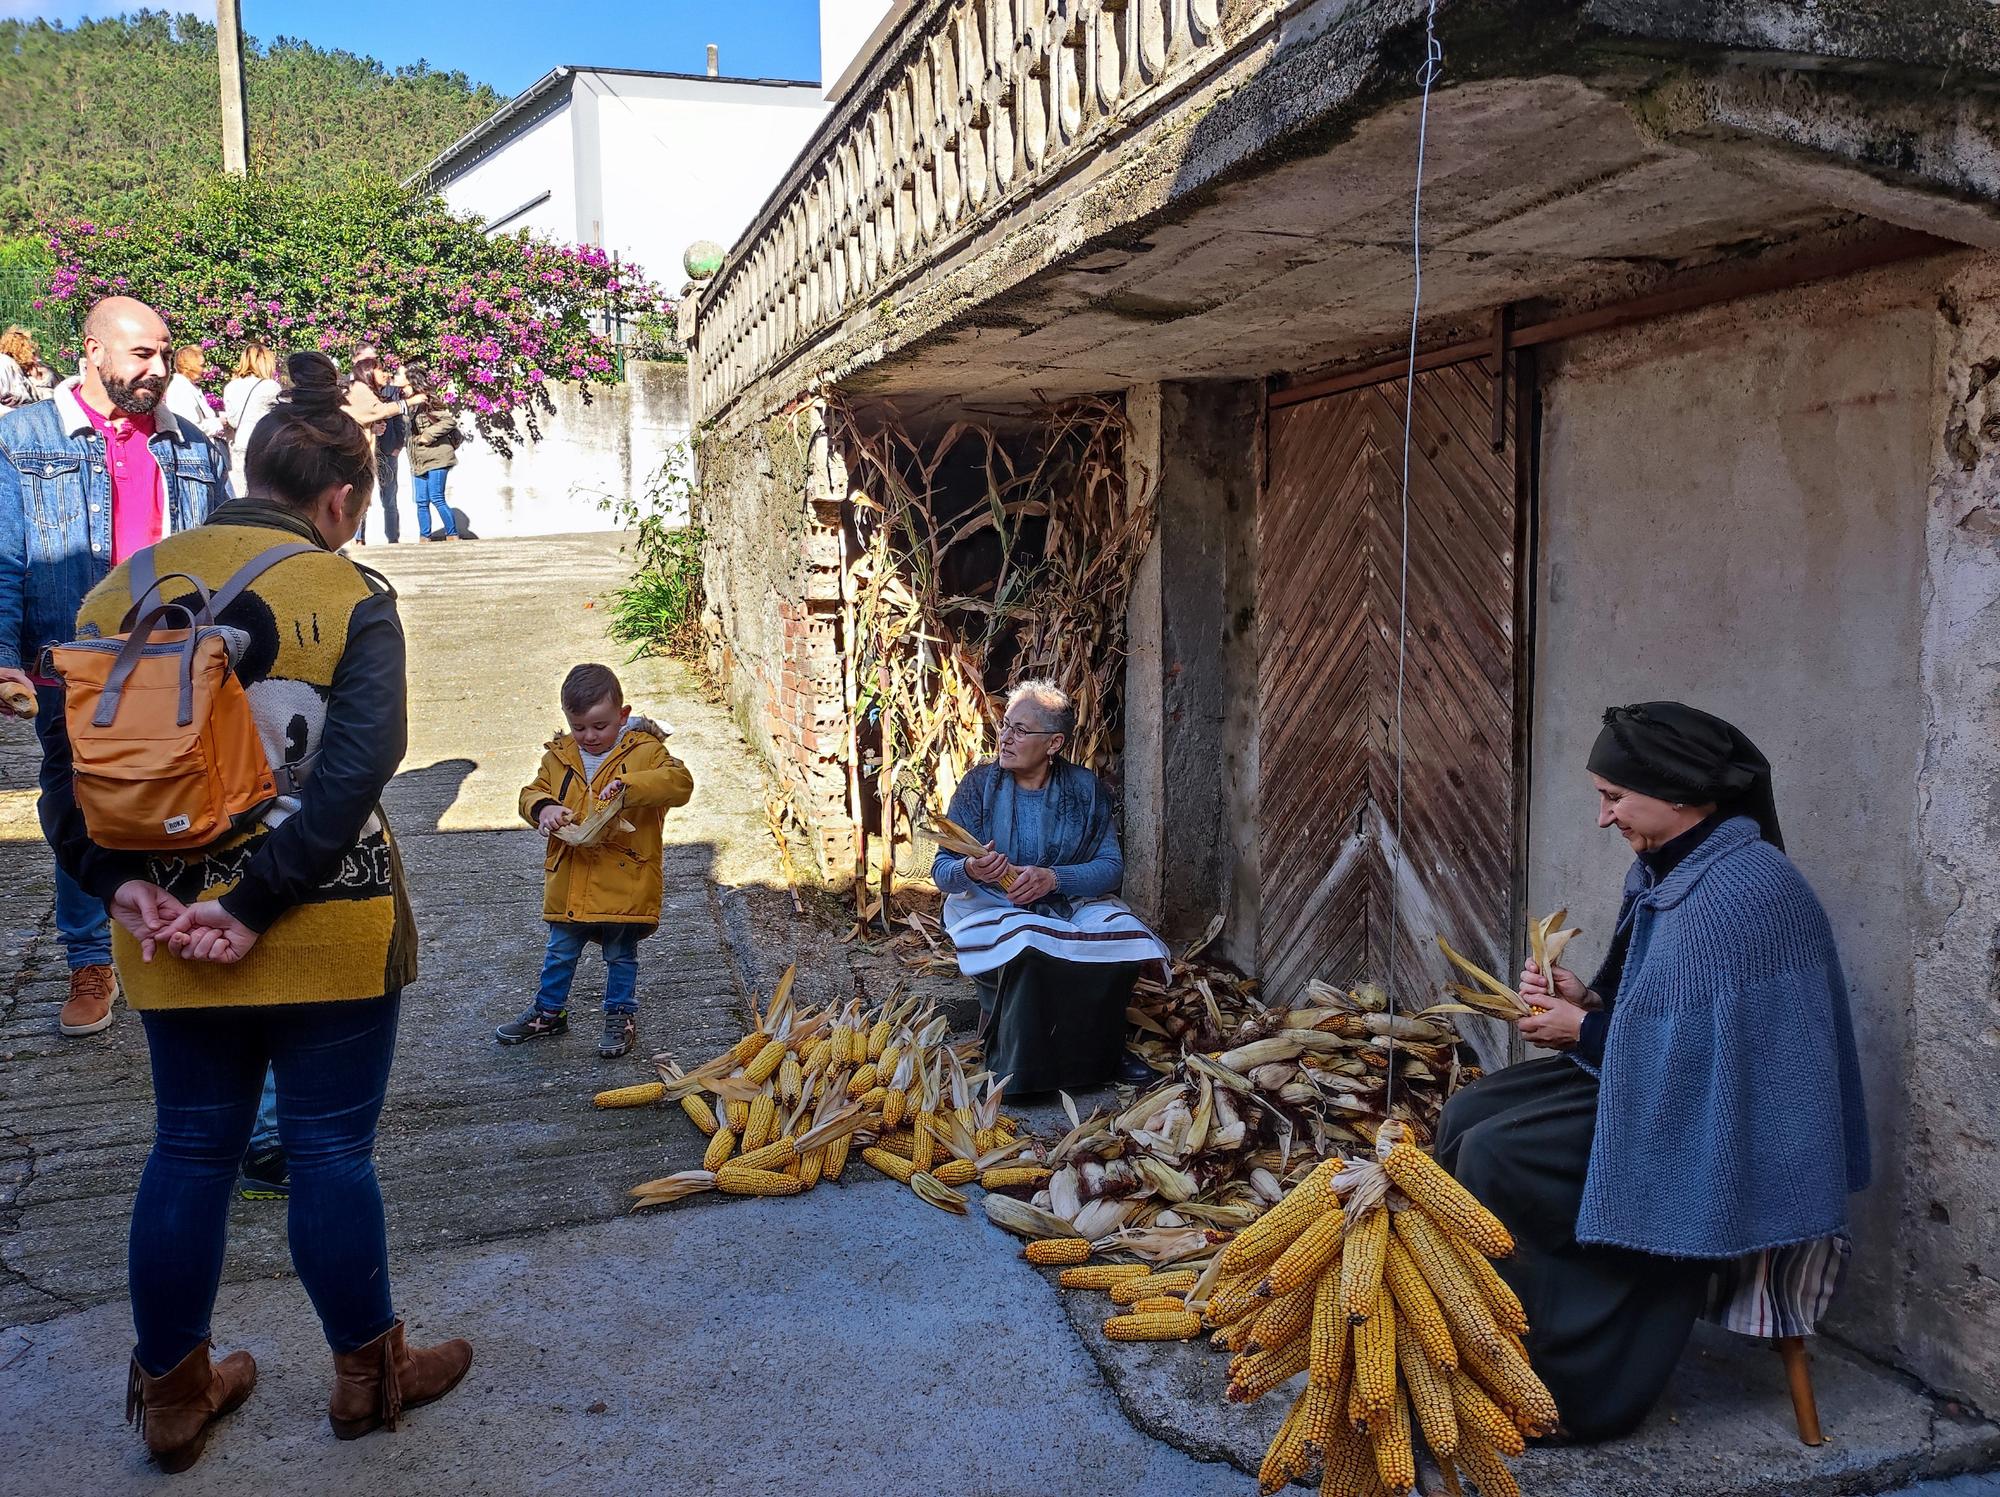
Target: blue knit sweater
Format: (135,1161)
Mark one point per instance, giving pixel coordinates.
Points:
(1067,829)
(1730,1116)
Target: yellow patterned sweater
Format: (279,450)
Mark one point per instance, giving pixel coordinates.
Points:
(320,877)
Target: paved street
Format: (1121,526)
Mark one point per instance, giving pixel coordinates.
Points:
(859,1342)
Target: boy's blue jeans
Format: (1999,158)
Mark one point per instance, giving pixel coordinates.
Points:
(621,965)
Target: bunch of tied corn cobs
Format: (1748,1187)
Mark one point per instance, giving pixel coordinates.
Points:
(794,1097)
(1374,1281)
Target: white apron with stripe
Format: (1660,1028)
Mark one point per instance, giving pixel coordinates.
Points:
(989,932)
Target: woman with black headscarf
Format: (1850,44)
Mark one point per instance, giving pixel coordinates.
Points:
(1708,1104)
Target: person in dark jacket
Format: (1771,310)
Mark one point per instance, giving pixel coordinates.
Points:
(1636,1166)
(287,944)
(391,434)
(434,443)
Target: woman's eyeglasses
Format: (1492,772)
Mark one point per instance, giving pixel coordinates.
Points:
(1015,730)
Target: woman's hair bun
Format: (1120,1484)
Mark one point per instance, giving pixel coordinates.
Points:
(315,380)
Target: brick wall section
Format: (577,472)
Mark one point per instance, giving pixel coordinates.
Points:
(770,502)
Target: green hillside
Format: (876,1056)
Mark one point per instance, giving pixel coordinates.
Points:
(97,115)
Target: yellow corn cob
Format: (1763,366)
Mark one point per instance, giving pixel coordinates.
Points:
(734,1180)
(1007,1126)
(1178,1281)
(1283,1318)
(1489,1473)
(891,1053)
(721,1144)
(894,1167)
(878,1039)
(986,1138)
(737,1114)
(1254,1374)
(860,1081)
(922,1146)
(1361,1264)
(1288,1457)
(894,1100)
(1300,1265)
(645,1093)
(1168,1326)
(1464,1310)
(1269,1235)
(791,1078)
(1050,1251)
(1430,1395)
(817,1057)
(1237,1337)
(1422,1319)
(1157,1302)
(1320,1409)
(1375,1356)
(872,1098)
(699,1112)
(745,1050)
(1514,1386)
(1395,1459)
(812,1164)
(956,1172)
(1358,1416)
(897,1143)
(764,1064)
(1350,1462)
(1012,1176)
(1234,1300)
(1097,1275)
(1448,1203)
(762,1123)
(837,1051)
(1481,1421)
(836,1157)
(1501,1300)
(771,1156)
(1330,1331)
(857,1045)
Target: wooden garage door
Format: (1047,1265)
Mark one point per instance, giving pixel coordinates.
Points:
(1329,541)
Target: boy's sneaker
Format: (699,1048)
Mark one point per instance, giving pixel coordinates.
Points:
(265,1177)
(621,1030)
(533,1023)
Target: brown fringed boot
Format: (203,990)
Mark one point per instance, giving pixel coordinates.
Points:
(375,1383)
(174,1410)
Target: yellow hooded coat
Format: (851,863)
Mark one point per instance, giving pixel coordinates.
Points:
(617,882)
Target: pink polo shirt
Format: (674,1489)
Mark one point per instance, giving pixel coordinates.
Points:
(138,500)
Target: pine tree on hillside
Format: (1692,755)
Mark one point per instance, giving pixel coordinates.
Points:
(96,116)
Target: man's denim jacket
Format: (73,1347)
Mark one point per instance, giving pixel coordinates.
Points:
(55,513)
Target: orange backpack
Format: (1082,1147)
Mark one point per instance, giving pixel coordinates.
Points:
(164,750)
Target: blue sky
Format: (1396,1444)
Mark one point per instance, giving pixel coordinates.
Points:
(510,43)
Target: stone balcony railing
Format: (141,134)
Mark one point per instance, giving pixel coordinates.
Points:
(968,107)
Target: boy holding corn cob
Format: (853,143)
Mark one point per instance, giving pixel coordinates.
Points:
(615,769)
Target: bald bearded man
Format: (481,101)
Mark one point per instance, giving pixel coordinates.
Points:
(86,479)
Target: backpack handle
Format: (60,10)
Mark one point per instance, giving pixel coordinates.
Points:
(134,646)
(146,582)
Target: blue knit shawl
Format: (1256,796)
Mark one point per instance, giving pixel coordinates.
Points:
(1730,1117)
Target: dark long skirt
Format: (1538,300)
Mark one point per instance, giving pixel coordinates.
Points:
(1050,1023)
(1607,1324)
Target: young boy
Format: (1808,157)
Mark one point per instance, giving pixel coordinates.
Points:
(609,892)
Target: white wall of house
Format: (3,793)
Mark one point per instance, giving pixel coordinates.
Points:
(540,160)
(684,159)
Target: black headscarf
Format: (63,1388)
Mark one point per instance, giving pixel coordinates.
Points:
(1676,753)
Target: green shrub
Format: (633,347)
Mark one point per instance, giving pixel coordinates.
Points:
(659,611)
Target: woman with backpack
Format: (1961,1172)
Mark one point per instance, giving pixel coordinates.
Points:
(287,942)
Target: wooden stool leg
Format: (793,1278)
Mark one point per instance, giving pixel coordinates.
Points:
(1798,1373)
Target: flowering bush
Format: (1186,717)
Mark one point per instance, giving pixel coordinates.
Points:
(494,319)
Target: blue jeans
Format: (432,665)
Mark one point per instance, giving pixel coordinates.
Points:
(332,1067)
(264,1132)
(430,495)
(386,481)
(81,922)
(621,965)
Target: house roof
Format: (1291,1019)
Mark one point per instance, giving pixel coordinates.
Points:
(544,94)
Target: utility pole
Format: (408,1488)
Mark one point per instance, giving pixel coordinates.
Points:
(235,116)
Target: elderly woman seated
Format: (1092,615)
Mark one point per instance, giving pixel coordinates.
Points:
(1050,949)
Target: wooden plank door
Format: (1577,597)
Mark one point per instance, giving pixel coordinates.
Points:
(1329,545)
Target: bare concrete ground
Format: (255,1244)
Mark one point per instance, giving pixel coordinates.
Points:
(859,1342)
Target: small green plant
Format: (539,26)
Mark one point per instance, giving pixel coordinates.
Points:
(659,611)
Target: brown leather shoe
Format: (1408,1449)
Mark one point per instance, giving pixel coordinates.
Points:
(91,992)
(374,1384)
(174,1411)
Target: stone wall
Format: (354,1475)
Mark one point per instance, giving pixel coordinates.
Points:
(1733,514)
(770,499)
